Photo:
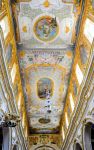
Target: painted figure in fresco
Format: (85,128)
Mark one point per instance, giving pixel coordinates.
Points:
(46,28)
(45,88)
(48,94)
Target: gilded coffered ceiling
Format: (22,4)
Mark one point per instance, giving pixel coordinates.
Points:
(45,32)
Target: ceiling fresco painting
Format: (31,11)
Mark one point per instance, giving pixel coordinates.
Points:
(44,88)
(46,28)
(47,44)
(45,81)
(45,32)
(47,23)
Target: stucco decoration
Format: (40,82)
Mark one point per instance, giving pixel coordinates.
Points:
(25,28)
(47,5)
(51,69)
(65,29)
(57,23)
(42,139)
(47,36)
(31,57)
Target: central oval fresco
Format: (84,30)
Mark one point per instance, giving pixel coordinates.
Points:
(45,88)
(46,28)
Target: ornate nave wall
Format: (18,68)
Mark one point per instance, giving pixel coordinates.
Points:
(83,114)
(79,103)
(12,107)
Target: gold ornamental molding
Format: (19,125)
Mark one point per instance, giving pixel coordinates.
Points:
(81,39)
(82,101)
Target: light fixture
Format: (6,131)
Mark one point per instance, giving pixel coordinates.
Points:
(9,120)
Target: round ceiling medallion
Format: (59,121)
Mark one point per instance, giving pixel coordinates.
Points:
(46,28)
(44,120)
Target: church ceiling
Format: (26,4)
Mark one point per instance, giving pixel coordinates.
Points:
(46,29)
(45,76)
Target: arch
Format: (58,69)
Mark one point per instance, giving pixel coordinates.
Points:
(45,146)
(77,146)
(6,138)
(88,136)
(49,146)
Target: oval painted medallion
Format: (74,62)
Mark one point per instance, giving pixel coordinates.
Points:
(46,28)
